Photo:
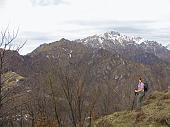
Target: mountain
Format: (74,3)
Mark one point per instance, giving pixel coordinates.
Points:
(105,70)
(156,49)
(17,63)
(86,78)
(105,65)
(155,113)
(116,60)
(110,39)
(118,67)
(168,47)
(98,74)
(128,47)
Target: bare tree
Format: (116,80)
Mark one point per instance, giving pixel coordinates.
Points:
(54,101)
(6,92)
(80,101)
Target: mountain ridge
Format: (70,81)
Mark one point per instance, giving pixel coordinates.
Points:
(126,46)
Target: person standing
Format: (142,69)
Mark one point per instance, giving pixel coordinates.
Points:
(140,94)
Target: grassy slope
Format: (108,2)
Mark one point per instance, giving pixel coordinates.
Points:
(155,111)
(11,78)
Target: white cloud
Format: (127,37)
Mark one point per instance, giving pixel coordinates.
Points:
(79,18)
(46,2)
(2,3)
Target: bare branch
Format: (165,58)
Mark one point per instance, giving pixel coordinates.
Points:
(3,34)
(21,46)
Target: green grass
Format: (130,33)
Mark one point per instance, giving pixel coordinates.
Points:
(155,111)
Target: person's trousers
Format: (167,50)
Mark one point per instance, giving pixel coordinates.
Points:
(140,97)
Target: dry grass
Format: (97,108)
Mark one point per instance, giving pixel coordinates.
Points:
(153,114)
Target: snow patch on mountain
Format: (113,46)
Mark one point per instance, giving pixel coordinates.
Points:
(113,37)
(168,47)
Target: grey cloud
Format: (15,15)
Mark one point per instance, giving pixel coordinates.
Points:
(143,29)
(120,26)
(47,2)
(108,22)
(2,3)
(39,37)
(159,35)
(129,28)
(34,39)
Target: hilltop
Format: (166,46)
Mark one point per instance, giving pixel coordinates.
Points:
(154,113)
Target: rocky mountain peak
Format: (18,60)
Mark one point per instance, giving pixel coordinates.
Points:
(63,40)
(151,43)
(110,35)
(115,38)
(168,47)
(128,46)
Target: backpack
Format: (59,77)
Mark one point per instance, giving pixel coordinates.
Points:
(146,88)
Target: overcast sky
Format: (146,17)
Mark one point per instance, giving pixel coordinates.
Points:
(44,21)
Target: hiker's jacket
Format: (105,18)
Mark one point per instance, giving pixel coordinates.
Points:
(141,86)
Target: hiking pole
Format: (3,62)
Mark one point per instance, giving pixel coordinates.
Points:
(134,101)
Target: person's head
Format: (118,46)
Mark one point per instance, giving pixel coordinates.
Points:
(140,79)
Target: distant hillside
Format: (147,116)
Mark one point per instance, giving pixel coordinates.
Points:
(155,113)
